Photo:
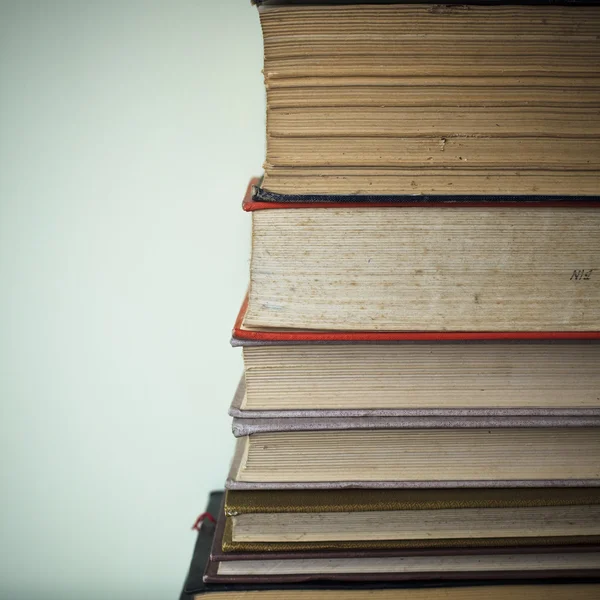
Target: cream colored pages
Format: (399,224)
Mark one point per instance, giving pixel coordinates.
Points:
(422,524)
(390,180)
(420,455)
(418,376)
(426,269)
(409,99)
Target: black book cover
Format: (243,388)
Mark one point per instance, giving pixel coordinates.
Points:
(260,194)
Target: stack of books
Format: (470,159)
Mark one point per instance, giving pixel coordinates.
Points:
(419,415)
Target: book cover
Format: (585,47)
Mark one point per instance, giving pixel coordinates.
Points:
(353,500)
(260,199)
(244,427)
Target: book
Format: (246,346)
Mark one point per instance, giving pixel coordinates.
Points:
(415,458)
(412,98)
(284,520)
(556,560)
(496,378)
(546,589)
(428,268)
(384,390)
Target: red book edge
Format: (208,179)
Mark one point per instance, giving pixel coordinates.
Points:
(401,336)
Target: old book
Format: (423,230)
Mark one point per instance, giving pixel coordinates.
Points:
(401,518)
(395,388)
(388,98)
(414,458)
(316,379)
(424,268)
(551,588)
(558,559)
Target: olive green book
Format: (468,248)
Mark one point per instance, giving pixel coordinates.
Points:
(286,520)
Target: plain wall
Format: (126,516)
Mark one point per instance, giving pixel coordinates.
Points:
(128,132)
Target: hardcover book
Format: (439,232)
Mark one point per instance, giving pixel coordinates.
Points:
(425,267)
(196,588)
(342,392)
(415,458)
(448,519)
(374,98)
(558,560)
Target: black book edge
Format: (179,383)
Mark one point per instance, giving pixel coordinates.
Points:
(259,194)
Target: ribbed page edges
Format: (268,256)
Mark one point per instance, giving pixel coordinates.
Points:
(426,269)
(422,455)
(419,376)
(401,525)
(429,99)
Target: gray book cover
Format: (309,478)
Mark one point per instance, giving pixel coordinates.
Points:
(244,427)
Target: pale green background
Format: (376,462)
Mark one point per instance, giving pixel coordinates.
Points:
(128,132)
